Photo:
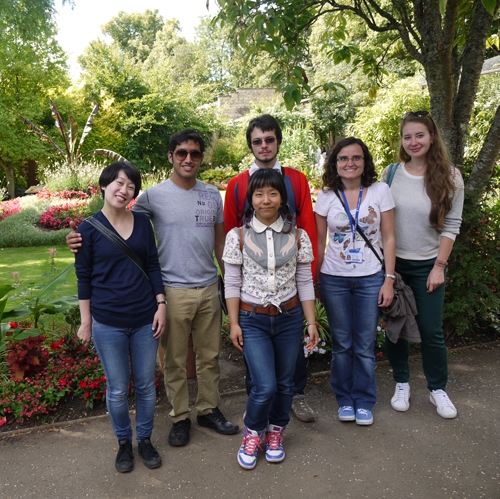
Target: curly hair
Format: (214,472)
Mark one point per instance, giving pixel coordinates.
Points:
(438,180)
(267,177)
(331,178)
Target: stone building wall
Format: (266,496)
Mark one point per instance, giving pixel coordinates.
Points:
(239,103)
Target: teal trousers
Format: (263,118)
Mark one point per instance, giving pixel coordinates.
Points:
(430,324)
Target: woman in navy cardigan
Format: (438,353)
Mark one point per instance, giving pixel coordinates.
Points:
(123,309)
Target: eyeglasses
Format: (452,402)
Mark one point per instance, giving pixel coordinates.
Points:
(418,114)
(343,160)
(267,140)
(182,154)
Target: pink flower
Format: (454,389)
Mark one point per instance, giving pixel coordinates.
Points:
(3,421)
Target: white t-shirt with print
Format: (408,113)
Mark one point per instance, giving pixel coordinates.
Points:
(339,259)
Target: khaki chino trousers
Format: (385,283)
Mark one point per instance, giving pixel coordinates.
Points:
(193,311)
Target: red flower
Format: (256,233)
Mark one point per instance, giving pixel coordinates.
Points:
(55,345)
(13,325)
(83,384)
(86,395)
(62,382)
(3,421)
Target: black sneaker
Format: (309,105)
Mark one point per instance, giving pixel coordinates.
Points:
(179,434)
(125,457)
(218,422)
(149,454)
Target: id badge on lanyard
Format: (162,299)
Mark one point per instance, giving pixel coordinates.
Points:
(354,255)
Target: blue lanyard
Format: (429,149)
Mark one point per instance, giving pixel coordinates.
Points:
(353,223)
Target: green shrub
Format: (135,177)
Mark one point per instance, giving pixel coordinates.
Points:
(20,230)
(472,298)
(62,176)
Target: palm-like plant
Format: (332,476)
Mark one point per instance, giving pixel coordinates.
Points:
(69,134)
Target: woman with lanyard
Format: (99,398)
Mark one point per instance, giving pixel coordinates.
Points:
(269,289)
(429,195)
(353,284)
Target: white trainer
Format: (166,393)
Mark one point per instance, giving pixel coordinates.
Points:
(401,399)
(444,405)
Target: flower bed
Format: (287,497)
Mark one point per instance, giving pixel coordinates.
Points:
(8,208)
(59,216)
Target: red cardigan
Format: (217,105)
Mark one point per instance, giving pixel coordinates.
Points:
(305,215)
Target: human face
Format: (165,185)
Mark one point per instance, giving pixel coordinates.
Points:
(185,170)
(266,202)
(120,192)
(351,170)
(265,153)
(416,140)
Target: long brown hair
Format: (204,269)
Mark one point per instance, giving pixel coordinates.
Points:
(438,180)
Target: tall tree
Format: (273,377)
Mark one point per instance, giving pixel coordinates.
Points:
(447,37)
(32,66)
(135,33)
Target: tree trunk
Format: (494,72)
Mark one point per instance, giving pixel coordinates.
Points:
(9,175)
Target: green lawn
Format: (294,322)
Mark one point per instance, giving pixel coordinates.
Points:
(31,262)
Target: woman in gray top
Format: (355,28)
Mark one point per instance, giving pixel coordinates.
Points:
(428,193)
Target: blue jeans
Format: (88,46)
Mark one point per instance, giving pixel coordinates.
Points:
(351,305)
(270,346)
(119,350)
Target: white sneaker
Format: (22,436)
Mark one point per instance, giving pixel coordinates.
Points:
(401,399)
(445,407)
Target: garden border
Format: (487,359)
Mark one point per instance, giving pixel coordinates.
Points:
(61,424)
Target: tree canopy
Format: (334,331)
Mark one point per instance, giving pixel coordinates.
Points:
(447,38)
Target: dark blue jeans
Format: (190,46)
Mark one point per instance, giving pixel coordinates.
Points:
(351,305)
(271,345)
(120,349)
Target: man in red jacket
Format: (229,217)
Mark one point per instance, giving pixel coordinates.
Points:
(264,138)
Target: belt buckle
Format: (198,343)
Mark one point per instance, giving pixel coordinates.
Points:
(273,310)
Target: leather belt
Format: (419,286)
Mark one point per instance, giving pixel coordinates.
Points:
(272,309)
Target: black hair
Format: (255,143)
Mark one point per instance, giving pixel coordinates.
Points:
(268,177)
(331,178)
(183,136)
(266,123)
(110,173)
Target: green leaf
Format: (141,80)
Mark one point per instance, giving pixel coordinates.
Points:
(442,6)
(289,102)
(59,279)
(489,5)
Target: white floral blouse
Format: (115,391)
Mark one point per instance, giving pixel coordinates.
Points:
(268,263)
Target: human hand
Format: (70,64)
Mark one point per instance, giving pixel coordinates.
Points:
(386,293)
(435,279)
(73,239)
(85,333)
(236,336)
(159,321)
(313,334)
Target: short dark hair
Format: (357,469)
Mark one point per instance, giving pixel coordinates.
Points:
(183,136)
(268,177)
(331,177)
(110,173)
(266,123)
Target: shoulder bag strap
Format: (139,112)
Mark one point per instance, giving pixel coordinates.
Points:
(117,241)
(361,232)
(391,171)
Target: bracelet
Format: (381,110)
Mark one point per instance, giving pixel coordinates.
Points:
(440,263)
(161,302)
(391,276)
(311,324)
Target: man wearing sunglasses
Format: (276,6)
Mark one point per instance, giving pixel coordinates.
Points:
(188,220)
(264,139)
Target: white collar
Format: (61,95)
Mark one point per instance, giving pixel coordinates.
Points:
(255,167)
(259,227)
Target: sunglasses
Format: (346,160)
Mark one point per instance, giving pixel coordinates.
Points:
(267,140)
(418,114)
(182,154)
